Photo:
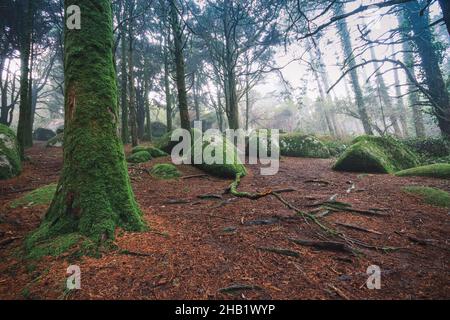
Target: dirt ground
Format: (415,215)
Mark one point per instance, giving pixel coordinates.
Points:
(196,247)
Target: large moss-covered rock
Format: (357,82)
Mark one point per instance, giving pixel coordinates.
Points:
(158,129)
(154,152)
(377,155)
(140,156)
(165,171)
(222,169)
(10,163)
(301,145)
(433,196)
(437,170)
(166,144)
(43,134)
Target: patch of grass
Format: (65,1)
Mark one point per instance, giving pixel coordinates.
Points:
(437,170)
(40,196)
(433,196)
(165,171)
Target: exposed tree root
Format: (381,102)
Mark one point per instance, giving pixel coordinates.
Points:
(239,287)
(359,228)
(285,252)
(323,245)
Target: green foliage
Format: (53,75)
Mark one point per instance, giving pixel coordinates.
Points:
(56,141)
(154,152)
(334,145)
(437,170)
(376,154)
(301,145)
(140,156)
(227,168)
(433,196)
(431,149)
(10,162)
(40,196)
(165,171)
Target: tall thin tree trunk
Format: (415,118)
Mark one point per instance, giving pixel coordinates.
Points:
(167,92)
(131,88)
(347,47)
(400,105)
(24,129)
(94,194)
(124,85)
(179,67)
(196,102)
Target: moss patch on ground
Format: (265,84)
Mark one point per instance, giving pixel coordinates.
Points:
(40,196)
(433,196)
(301,145)
(10,162)
(437,170)
(154,152)
(139,157)
(377,155)
(165,171)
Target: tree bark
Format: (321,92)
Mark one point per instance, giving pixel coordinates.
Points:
(445,6)
(347,47)
(131,88)
(94,194)
(179,67)
(124,85)
(24,127)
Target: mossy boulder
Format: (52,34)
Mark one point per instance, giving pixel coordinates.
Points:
(301,145)
(377,155)
(258,141)
(433,196)
(56,141)
(437,170)
(154,152)
(225,168)
(10,162)
(165,171)
(39,196)
(158,129)
(43,134)
(140,156)
(166,144)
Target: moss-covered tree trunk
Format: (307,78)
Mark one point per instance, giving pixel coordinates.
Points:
(179,67)
(94,194)
(124,84)
(348,51)
(25,127)
(131,88)
(148,120)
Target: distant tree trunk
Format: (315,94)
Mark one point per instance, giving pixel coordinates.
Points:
(385,99)
(179,67)
(413,97)
(423,40)
(131,88)
(124,85)
(24,127)
(140,112)
(347,47)
(148,122)
(247,102)
(4,85)
(94,194)
(167,92)
(196,102)
(445,6)
(400,105)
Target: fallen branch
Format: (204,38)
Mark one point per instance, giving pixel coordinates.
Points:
(239,287)
(194,176)
(209,196)
(135,253)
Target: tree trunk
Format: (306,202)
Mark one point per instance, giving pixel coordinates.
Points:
(445,6)
(196,102)
(347,47)
(148,122)
(400,106)
(124,85)
(179,67)
(131,88)
(24,128)
(423,40)
(167,91)
(385,99)
(94,194)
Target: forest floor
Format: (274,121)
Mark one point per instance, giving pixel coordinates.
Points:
(197,247)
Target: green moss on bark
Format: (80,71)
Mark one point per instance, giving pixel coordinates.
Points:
(10,162)
(377,155)
(300,145)
(94,194)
